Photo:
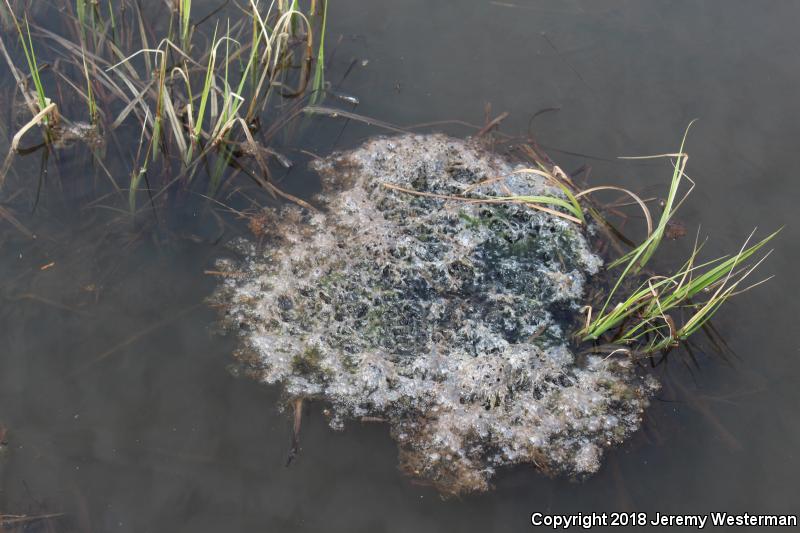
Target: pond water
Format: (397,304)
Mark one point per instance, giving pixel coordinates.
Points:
(115,385)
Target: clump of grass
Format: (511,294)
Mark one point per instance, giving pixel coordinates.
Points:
(648,319)
(201,98)
(645,317)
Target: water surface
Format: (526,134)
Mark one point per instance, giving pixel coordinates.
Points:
(115,388)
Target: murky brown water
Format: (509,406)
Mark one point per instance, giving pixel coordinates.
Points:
(115,391)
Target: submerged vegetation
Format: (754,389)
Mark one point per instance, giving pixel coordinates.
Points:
(198,92)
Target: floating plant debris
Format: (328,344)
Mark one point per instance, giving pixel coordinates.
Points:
(447,319)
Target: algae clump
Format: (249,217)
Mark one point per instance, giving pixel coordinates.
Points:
(445,318)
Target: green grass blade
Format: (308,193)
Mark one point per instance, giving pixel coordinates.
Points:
(319,69)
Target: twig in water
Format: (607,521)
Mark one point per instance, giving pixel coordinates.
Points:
(493,124)
(297,404)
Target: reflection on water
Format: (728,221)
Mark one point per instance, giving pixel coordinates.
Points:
(113,384)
